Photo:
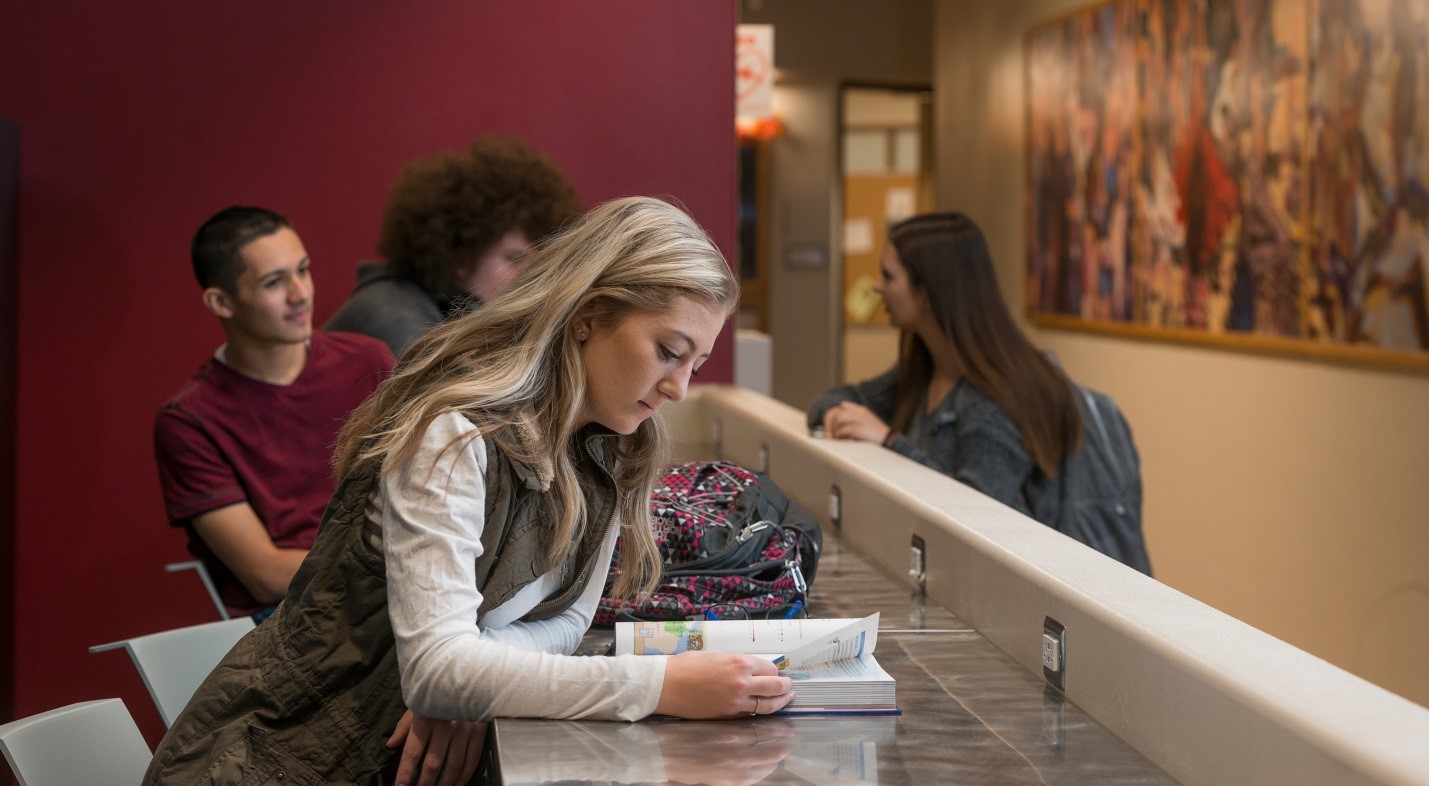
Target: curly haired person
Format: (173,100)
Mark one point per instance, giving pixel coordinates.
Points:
(456,229)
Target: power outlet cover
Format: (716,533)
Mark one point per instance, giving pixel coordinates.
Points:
(1054,653)
(918,564)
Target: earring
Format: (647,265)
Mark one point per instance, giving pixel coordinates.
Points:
(581,334)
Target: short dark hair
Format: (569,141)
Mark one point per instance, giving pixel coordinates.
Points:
(218,244)
(447,208)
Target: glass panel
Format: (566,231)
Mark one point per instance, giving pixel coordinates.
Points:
(865,152)
(906,144)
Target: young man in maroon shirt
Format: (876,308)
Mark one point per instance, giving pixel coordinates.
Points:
(245,448)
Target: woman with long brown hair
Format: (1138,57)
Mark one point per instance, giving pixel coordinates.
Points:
(970,396)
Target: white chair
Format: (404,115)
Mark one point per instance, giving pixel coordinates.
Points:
(175,662)
(198,567)
(91,743)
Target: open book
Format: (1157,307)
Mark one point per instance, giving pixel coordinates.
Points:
(830,660)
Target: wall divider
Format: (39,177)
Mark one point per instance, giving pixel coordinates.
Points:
(1204,696)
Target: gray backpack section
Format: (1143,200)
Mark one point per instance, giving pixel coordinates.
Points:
(1106,510)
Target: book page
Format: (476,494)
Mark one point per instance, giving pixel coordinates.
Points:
(848,642)
(769,638)
(860,669)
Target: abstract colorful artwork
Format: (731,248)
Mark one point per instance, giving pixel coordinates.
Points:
(1233,168)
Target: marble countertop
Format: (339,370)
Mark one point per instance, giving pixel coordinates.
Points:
(970,714)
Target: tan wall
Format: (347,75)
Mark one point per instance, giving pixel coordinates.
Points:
(868,351)
(1291,494)
(819,45)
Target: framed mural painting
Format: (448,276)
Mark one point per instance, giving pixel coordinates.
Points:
(1251,174)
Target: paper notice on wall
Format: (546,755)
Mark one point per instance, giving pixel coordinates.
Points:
(858,236)
(899,203)
(862,300)
(754,71)
(799,255)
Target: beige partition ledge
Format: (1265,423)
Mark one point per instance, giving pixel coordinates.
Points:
(1204,696)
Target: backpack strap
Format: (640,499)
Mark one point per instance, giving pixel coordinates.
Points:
(1094,409)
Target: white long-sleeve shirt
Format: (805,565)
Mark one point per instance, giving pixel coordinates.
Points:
(458,667)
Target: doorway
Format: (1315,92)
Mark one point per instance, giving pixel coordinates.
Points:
(886,173)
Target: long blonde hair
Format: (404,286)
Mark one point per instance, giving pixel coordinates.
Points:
(515,367)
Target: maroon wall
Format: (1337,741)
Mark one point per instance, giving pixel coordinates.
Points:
(9,223)
(140,119)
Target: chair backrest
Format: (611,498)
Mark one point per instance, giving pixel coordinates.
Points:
(84,744)
(175,662)
(197,567)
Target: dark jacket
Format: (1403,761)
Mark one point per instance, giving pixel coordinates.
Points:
(1095,496)
(968,437)
(312,694)
(387,306)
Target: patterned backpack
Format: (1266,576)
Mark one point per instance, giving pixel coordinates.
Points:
(726,536)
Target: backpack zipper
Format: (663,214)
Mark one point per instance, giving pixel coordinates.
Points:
(748,532)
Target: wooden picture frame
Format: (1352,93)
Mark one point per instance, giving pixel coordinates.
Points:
(1247,174)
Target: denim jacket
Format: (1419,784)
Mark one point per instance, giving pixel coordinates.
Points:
(968,437)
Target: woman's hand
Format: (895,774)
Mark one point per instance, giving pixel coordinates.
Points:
(721,685)
(736,754)
(437,749)
(848,420)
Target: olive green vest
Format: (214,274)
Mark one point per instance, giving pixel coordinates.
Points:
(311,695)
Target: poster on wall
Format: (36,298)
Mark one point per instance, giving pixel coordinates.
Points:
(1245,173)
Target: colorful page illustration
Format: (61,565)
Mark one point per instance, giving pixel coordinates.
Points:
(771,638)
